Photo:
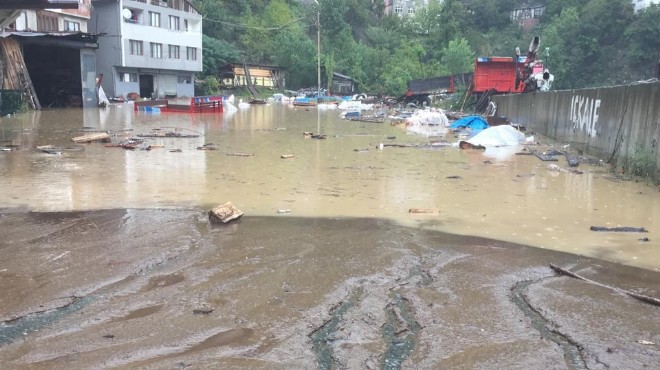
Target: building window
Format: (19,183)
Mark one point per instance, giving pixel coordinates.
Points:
(185,25)
(411,10)
(136,47)
(154,19)
(46,22)
(128,77)
(174,52)
(156,50)
(174,23)
(71,26)
(184,79)
(191,53)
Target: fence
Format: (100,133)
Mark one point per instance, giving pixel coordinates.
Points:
(619,124)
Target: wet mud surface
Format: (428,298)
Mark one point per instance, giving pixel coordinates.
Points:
(164,289)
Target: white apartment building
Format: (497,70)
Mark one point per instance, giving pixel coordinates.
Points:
(404,8)
(149,47)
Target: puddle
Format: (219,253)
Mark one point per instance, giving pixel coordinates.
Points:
(163,281)
(572,355)
(139,313)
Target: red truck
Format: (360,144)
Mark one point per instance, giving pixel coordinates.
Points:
(498,75)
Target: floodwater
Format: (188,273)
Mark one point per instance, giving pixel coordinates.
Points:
(493,194)
(117,266)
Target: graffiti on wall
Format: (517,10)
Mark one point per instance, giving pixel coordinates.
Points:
(584,113)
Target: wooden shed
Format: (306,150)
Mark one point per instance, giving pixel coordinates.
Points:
(235,75)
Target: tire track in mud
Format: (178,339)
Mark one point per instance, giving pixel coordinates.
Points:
(19,327)
(572,350)
(399,329)
(399,332)
(323,336)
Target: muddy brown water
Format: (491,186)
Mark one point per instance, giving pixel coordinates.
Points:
(108,259)
(493,194)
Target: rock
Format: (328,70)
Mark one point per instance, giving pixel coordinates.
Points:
(224,213)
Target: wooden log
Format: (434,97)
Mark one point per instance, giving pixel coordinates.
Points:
(224,213)
(287,156)
(624,229)
(103,136)
(424,210)
(641,297)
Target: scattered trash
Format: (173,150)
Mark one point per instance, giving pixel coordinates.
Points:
(554,168)
(361,150)
(283,211)
(381,146)
(424,210)
(504,135)
(545,157)
(471,122)
(224,213)
(466,145)
(159,133)
(453,177)
(645,342)
(624,229)
(287,156)
(202,311)
(644,240)
(308,134)
(208,146)
(175,150)
(109,336)
(319,137)
(238,154)
(51,149)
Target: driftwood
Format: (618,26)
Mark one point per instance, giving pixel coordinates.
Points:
(424,210)
(287,156)
(465,145)
(103,137)
(641,297)
(624,229)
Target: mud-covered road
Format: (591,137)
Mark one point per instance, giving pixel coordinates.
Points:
(163,289)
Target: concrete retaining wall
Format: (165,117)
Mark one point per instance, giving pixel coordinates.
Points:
(612,123)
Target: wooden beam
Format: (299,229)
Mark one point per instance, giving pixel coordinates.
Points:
(39,4)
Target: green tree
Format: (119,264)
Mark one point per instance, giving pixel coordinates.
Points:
(643,38)
(557,37)
(457,57)
(216,53)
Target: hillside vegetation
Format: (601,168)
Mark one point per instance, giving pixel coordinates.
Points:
(585,43)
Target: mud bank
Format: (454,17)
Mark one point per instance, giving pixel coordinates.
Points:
(158,289)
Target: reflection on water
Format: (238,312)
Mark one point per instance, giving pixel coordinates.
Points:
(493,194)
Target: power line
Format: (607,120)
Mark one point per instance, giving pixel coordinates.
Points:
(252,27)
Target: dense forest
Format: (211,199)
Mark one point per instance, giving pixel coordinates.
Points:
(585,43)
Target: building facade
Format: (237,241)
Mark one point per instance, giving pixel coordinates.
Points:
(56,50)
(641,4)
(403,8)
(528,15)
(152,48)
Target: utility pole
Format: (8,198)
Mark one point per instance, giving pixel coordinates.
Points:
(318,66)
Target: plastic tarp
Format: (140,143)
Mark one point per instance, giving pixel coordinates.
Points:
(503,135)
(473,122)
